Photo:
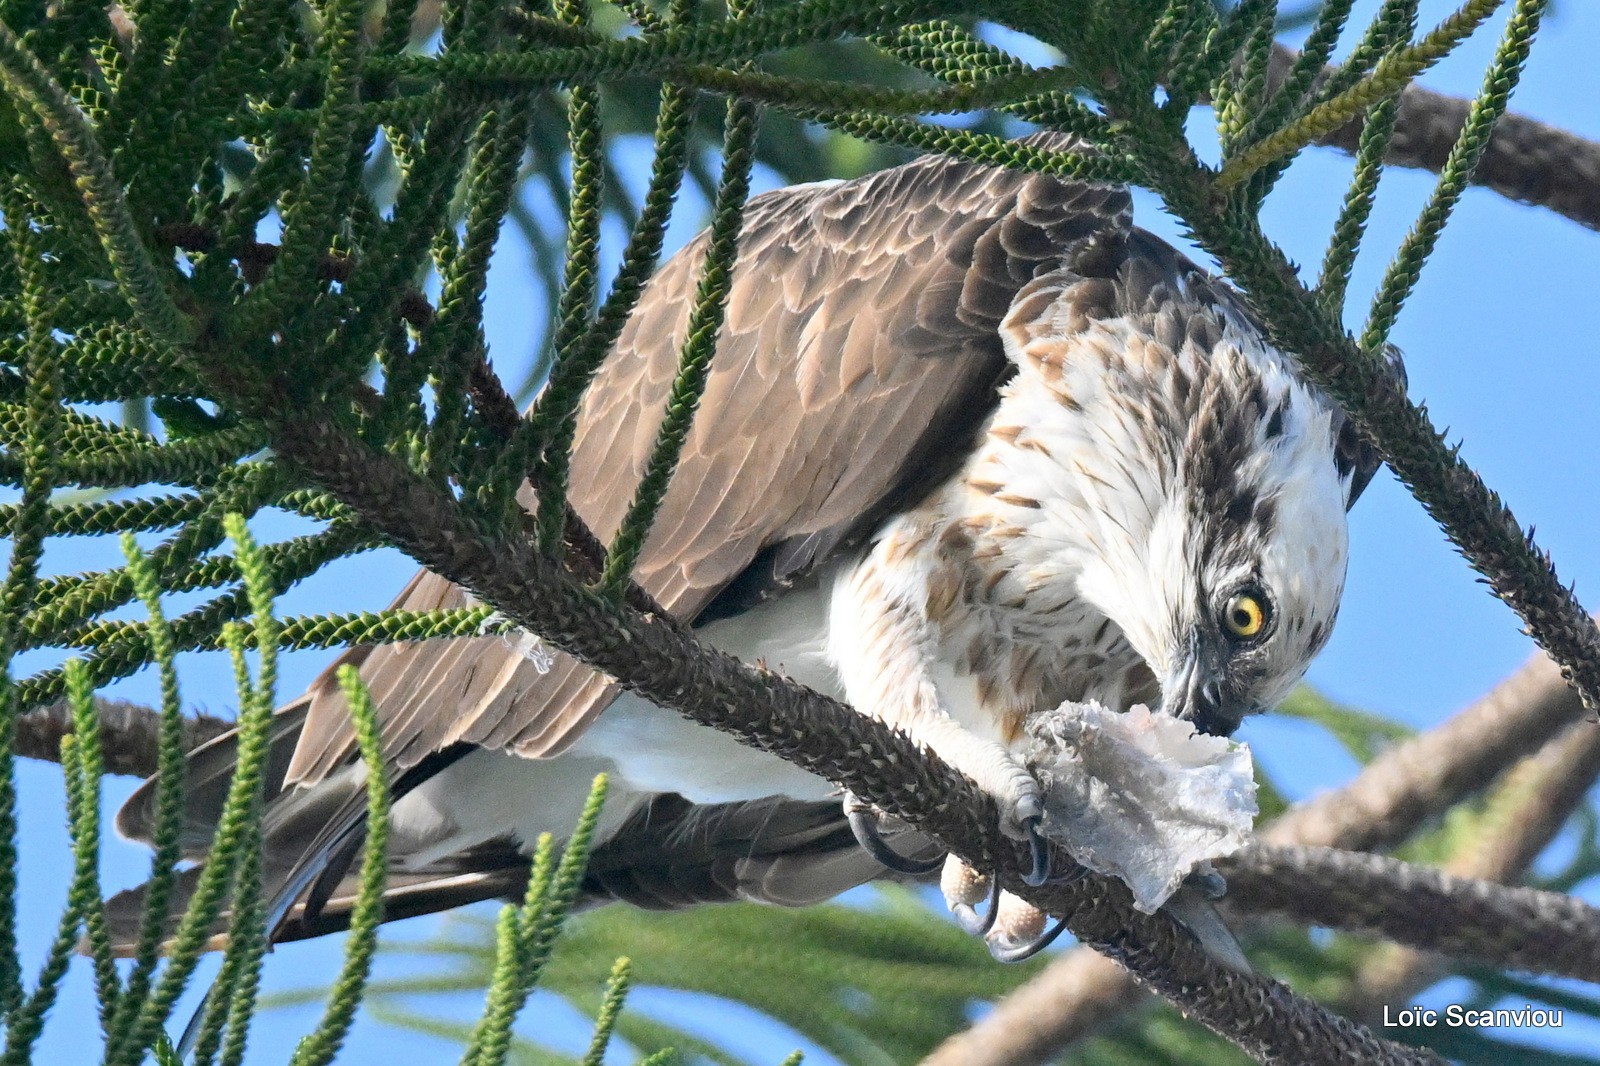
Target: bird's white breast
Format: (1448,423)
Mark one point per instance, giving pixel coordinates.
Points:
(658,750)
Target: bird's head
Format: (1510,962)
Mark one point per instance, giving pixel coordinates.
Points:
(1251,583)
(1194,484)
(1224,570)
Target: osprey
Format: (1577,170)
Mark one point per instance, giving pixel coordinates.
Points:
(972,445)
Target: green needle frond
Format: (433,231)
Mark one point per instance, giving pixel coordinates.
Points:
(169,802)
(1395,24)
(1393,73)
(320,1046)
(137,277)
(694,362)
(1487,108)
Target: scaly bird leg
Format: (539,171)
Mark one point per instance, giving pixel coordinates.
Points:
(1001,949)
(963,889)
(999,773)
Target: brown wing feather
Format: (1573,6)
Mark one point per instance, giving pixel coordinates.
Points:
(859,351)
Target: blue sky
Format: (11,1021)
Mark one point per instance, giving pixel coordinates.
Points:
(1499,340)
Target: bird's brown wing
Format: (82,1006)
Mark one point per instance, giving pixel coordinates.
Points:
(859,355)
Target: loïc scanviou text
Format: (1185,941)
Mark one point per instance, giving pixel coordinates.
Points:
(1456,1016)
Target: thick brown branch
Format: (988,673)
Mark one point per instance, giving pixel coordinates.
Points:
(130,734)
(1423,777)
(1535,801)
(1527,160)
(658,660)
(1076,996)
(1549,786)
(1259,1014)
(1469,918)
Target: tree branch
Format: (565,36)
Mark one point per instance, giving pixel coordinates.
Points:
(1423,777)
(1512,928)
(1529,161)
(1544,790)
(129,733)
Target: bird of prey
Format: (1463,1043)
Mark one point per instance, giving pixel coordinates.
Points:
(972,445)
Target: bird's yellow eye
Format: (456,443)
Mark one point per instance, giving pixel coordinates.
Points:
(1245,616)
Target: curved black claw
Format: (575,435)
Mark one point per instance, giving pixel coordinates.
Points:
(971,921)
(864,824)
(1212,885)
(1021,952)
(1039,849)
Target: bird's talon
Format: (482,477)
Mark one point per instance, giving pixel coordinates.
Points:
(968,918)
(1077,872)
(1211,885)
(1038,849)
(864,825)
(1002,951)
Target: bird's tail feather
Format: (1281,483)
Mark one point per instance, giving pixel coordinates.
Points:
(310,839)
(208,771)
(407,895)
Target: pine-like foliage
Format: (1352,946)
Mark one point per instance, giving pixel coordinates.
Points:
(243,265)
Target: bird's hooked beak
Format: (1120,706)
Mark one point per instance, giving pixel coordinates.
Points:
(1195,690)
